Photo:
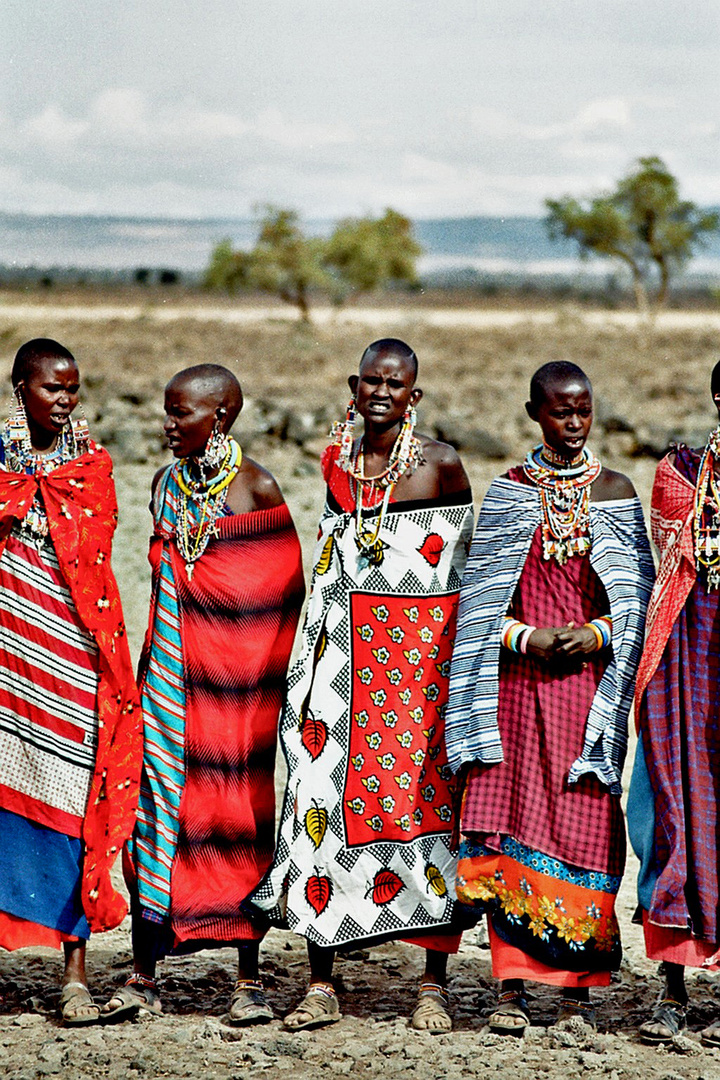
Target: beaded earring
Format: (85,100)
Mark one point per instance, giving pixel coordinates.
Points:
(80,429)
(216,449)
(16,426)
(343,435)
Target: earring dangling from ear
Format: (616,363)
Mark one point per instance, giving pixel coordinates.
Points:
(343,435)
(78,430)
(216,449)
(16,426)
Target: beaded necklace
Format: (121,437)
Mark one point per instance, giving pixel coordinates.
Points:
(405,455)
(564,499)
(368,538)
(706,515)
(20,457)
(209,498)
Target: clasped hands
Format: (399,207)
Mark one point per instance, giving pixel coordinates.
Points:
(563,645)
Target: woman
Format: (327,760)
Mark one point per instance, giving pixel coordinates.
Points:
(550,627)
(673,817)
(227,593)
(70,745)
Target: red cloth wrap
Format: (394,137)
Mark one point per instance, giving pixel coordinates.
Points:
(79,498)
(671,519)
(238,617)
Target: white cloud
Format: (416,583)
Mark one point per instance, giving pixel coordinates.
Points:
(277,128)
(594,118)
(51,127)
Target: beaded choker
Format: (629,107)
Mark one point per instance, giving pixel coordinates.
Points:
(201,503)
(706,515)
(565,502)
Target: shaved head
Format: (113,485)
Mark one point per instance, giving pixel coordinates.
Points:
(216,385)
(554,374)
(32,353)
(715,380)
(391,347)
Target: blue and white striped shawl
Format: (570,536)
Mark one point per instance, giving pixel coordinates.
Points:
(621,557)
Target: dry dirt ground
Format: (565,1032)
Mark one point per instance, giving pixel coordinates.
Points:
(651,384)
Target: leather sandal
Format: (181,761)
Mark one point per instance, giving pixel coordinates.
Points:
(248,1004)
(319,1006)
(512,1014)
(77,1007)
(667,1019)
(430,1013)
(571,1008)
(138,993)
(710,1036)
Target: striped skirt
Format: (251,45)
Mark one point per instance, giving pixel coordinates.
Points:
(48,739)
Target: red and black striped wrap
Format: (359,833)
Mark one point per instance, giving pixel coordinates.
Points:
(238,615)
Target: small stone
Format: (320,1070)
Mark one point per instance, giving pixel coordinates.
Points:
(684,1045)
(27,1020)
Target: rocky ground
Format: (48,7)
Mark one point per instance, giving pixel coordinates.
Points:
(651,385)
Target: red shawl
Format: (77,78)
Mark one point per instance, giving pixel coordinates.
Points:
(79,498)
(238,618)
(671,521)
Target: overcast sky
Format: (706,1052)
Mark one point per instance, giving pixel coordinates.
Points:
(180,108)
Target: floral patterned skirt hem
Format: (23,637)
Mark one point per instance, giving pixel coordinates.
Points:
(559,915)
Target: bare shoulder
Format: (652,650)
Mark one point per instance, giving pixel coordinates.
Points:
(439,453)
(254,488)
(445,460)
(612,485)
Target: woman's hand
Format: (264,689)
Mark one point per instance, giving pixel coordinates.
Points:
(541,643)
(560,644)
(575,641)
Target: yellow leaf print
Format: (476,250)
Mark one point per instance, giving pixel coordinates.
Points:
(316,823)
(321,645)
(435,880)
(323,563)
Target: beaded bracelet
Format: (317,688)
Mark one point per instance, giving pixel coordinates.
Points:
(514,635)
(602,629)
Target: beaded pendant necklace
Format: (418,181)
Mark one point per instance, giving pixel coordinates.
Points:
(706,514)
(564,499)
(405,455)
(202,500)
(367,538)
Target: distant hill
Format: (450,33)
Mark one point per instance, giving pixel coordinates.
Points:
(454,247)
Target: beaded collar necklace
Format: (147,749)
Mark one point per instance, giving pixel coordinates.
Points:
(192,537)
(706,514)
(564,500)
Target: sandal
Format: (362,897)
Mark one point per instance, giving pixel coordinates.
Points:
(668,1019)
(512,1015)
(248,1004)
(77,1006)
(570,1008)
(319,1006)
(710,1036)
(430,1013)
(138,993)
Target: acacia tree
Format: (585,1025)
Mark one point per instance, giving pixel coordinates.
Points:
(366,253)
(285,262)
(643,223)
(361,254)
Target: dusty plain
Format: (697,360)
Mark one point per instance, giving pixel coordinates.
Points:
(651,384)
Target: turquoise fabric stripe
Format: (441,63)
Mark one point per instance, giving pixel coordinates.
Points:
(163,705)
